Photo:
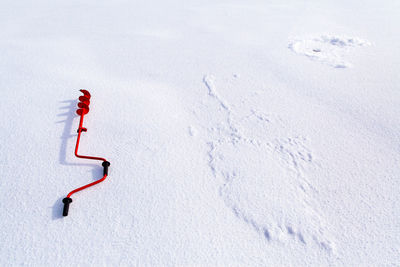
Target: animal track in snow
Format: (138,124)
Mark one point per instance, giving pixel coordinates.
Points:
(331,50)
(209,82)
(263,173)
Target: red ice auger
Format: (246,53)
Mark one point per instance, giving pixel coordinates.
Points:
(83,109)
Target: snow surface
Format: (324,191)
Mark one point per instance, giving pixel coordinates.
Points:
(228,145)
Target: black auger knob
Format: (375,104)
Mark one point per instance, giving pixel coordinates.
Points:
(105,165)
(66,202)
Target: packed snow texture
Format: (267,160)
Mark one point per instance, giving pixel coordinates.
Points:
(228,145)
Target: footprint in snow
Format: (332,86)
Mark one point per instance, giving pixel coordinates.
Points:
(331,50)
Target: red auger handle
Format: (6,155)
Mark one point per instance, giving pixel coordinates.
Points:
(68,200)
(83,109)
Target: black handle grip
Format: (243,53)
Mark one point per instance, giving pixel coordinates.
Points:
(105,165)
(66,202)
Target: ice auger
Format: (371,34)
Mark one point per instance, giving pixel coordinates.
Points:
(83,109)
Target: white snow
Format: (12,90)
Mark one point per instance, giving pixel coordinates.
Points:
(228,145)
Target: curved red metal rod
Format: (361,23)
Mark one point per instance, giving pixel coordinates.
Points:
(84,108)
(86,186)
(80,130)
(85,157)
